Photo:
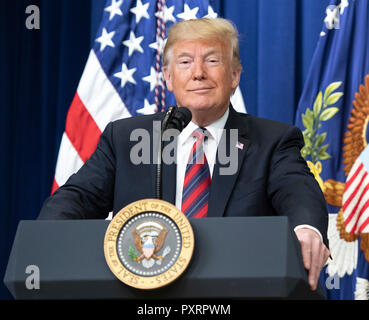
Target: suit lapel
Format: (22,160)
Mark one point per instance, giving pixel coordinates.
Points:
(222,184)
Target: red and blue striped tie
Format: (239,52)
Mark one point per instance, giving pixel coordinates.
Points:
(197,180)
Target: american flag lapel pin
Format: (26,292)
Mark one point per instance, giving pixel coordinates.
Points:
(239,145)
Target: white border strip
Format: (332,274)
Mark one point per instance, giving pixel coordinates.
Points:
(68,161)
(98,94)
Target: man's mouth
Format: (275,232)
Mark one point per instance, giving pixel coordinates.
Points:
(201,90)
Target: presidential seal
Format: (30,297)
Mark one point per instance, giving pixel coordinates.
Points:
(148,244)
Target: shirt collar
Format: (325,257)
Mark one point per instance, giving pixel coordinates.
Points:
(215,129)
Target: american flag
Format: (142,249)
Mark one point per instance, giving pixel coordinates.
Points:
(356,196)
(122,77)
(239,145)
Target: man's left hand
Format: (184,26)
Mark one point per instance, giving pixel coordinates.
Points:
(314,254)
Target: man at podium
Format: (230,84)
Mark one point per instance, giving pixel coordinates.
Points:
(264,173)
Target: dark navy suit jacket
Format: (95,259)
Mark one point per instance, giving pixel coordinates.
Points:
(271,179)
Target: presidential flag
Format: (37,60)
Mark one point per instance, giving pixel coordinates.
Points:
(122,77)
(333,113)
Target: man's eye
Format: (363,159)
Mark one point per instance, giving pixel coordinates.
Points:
(184,63)
(213,60)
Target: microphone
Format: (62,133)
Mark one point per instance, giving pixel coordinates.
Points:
(175,118)
(180,118)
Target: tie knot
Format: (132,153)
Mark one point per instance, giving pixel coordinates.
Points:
(200,134)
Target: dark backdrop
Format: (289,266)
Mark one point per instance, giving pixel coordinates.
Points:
(40,71)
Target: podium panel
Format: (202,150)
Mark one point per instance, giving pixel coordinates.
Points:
(234,258)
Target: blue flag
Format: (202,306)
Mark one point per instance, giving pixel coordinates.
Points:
(333,114)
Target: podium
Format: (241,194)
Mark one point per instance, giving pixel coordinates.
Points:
(234,258)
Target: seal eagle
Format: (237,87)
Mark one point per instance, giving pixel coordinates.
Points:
(148,245)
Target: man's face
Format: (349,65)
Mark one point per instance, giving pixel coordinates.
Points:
(201,76)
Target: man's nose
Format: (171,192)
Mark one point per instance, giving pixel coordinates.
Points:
(199,71)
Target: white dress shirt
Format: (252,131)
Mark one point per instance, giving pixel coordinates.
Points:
(184,145)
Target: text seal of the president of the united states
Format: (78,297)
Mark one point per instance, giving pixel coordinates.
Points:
(148,244)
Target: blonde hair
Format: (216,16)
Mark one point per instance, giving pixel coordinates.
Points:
(205,28)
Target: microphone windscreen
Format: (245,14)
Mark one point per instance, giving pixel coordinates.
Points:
(186,116)
(180,119)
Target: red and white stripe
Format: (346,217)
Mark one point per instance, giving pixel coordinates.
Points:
(355,201)
(95,104)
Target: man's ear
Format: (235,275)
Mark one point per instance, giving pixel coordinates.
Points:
(236,76)
(168,78)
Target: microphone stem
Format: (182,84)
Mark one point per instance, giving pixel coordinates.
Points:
(167,118)
(174,121)
(159,170)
